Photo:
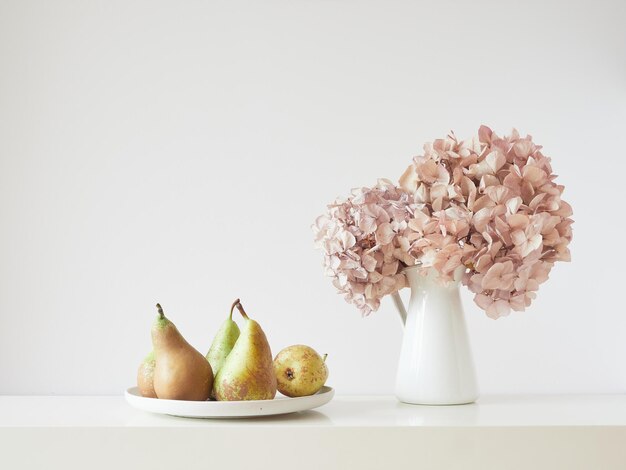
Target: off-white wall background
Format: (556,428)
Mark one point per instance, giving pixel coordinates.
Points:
(179,151)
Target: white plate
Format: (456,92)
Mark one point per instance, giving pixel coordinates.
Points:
(228,409)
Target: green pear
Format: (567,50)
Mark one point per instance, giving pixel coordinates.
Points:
(247,372)
(145,376)
(300,371)
(223,342)
(181,372)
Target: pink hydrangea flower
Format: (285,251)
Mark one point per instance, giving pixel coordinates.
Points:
(489,204)
(359,238)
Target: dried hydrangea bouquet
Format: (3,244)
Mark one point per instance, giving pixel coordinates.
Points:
(485,212)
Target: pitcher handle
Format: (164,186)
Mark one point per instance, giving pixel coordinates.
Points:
(397,301)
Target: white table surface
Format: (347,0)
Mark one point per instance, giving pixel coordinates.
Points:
(503,432)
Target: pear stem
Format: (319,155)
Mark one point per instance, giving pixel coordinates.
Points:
(324,358)
(241,310)
(160,310)
(233,308)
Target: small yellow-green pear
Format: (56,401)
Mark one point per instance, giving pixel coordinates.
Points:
(300,371)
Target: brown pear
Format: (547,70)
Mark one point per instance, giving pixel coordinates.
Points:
(247,372)
(145,376)
(181,372)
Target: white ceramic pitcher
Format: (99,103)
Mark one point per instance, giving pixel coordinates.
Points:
(436,366)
